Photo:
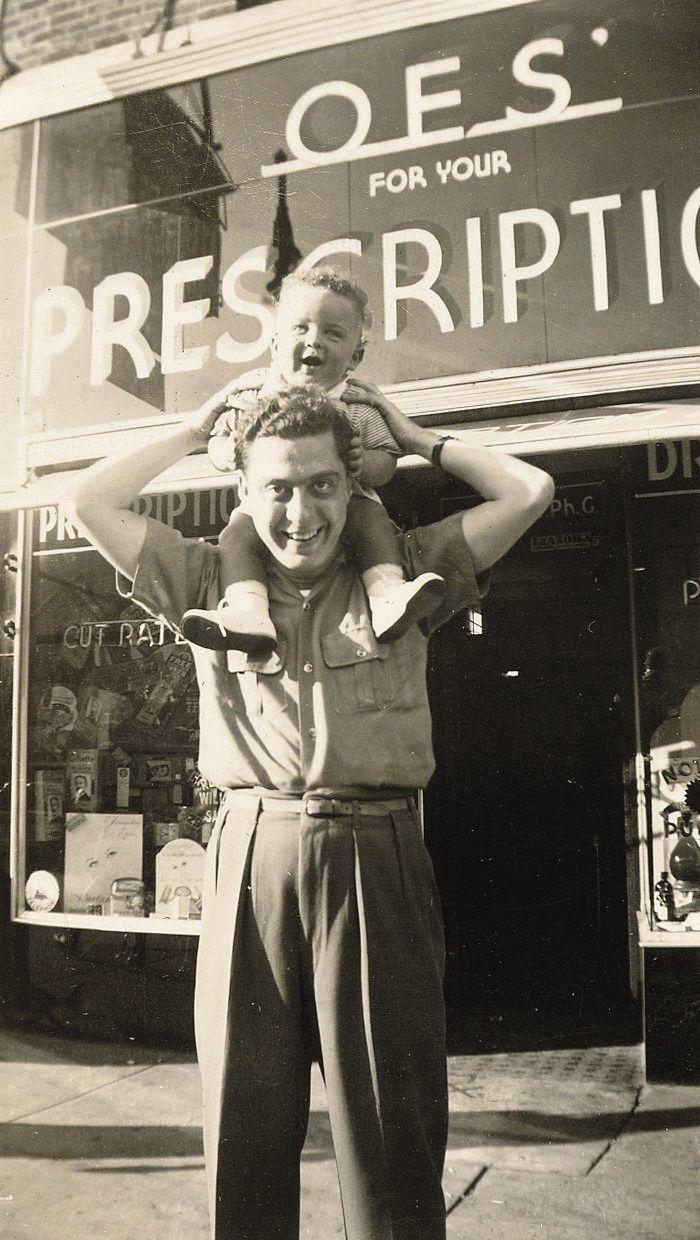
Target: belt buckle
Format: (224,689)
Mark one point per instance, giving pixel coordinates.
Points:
(328,807)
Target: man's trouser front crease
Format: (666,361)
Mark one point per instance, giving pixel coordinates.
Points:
(337,953)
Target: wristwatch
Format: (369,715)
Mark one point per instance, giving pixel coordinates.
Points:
(437,450)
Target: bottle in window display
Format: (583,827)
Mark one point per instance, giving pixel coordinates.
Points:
(664,902)
(684,862)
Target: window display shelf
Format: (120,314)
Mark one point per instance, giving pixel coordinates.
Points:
(118,925)
(653,937)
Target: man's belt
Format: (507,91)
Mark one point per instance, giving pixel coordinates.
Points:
(330,807)
(335,807)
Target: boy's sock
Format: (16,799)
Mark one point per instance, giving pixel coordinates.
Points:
(240,622)
(382,578)
(245,596)
(396,604)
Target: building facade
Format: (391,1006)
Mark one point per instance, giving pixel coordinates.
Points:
(518,189)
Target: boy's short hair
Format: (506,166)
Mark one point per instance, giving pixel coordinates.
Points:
(344,286)
(292,415)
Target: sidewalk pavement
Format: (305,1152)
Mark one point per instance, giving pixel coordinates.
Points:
(104,1141)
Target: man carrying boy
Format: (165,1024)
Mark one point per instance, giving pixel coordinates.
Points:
(321,935)
(321,323)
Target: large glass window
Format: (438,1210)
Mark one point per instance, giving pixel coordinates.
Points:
(667,579)
(490,237)
(15,160)
(117,812)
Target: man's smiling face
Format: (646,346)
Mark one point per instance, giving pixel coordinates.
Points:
(317,337)
(297,492)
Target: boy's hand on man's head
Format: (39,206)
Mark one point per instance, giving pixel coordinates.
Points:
(201,421)
(356,457)
(247,386)
(358,391)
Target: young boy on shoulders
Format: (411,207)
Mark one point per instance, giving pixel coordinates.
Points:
(320,331)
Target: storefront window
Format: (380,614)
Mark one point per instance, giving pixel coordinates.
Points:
(523,236)
(15,146)
(492,239)
(667,578)
(117,812)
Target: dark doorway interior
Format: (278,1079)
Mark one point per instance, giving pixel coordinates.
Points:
(524,818)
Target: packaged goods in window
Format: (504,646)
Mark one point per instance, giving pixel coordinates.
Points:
(127,898)
(123,787)
(148,770)
(49,805)
(675,807)
(159,770)
(100,848)
(56,717)
(164,833)
(100,710)
(156,804)
(182,727)
(177,788)
(191,823)
(161,782)
(179,878)
(90,779)
(177,672)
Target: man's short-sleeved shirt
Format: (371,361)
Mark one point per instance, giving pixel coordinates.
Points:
(332,709)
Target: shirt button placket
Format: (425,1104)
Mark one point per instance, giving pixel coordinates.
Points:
(306,711)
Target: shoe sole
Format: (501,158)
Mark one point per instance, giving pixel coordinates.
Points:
(202,632)
(420,606)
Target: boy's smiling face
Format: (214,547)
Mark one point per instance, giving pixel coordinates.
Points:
(318,337)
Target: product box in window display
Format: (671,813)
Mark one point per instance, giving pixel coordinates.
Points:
(100,848)
(49,805)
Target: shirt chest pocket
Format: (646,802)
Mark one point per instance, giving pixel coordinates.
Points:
(360,675)
(262,683)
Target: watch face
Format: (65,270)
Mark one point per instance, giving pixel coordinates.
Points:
(42,891)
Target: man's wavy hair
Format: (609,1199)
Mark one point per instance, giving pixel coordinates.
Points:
(344,286)
(292,415)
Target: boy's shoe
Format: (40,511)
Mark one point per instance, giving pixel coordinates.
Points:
(230,628)
(395,612)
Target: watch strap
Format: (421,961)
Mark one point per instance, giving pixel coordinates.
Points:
(436,453)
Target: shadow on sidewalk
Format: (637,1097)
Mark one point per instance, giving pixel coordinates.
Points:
(30,1045)
(95,1141)
(528,1127)
(91,1142)
(65,1142)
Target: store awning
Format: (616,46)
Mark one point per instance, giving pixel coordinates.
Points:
(610,426)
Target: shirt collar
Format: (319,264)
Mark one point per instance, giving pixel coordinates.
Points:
(292,587)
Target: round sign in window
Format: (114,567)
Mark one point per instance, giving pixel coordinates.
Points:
(42,891)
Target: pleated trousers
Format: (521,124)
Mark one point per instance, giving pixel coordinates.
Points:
(321,940)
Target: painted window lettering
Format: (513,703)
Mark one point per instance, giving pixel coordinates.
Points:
(419,102)
(60,313)
(197,509)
